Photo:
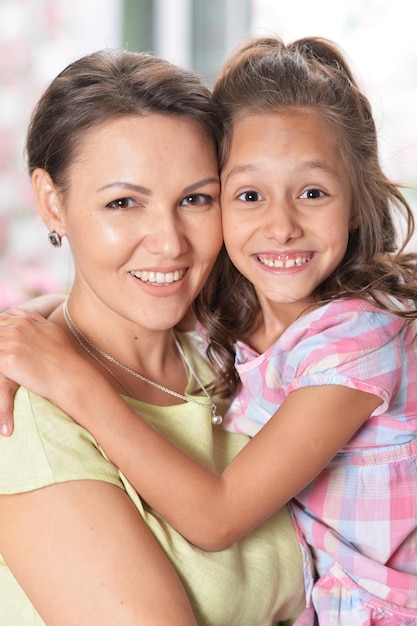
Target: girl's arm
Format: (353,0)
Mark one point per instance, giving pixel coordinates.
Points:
(213,511)
(210,511)
(83,555)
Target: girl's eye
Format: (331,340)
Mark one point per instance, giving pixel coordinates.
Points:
(196,199)
(312,194)
(250,196)
(121,203)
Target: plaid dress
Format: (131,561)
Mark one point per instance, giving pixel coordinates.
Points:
(359,516)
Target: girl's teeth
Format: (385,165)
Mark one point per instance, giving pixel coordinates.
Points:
(285,263)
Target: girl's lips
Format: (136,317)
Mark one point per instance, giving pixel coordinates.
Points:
(285,261)
(159,278)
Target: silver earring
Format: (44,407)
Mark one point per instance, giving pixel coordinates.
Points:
(54,239)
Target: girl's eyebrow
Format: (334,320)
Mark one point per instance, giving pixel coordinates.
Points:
(240,169)
(249,167)
(321,165)
(148,192)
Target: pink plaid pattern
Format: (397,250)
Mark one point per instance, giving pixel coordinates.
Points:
(359,516)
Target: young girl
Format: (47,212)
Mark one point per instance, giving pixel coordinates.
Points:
(316,302)
(317,306)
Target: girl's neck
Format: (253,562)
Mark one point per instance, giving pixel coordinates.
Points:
(273,322)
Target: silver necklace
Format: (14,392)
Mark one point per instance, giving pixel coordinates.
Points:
(86,344)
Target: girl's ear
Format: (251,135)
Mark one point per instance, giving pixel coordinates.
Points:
(353,222)
(48,201)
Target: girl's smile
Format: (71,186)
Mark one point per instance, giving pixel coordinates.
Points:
(285,261)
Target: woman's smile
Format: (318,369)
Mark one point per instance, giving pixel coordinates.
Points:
(158,278)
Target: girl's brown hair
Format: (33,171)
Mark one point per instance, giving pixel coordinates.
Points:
(267,75)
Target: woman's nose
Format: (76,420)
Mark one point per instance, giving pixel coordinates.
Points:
(166,236)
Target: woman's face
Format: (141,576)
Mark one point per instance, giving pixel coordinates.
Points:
(142,217)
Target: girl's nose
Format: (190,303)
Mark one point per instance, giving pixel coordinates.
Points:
(282,223)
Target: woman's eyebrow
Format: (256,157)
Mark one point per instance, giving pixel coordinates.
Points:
(200,183)
(148,192)
(124,185)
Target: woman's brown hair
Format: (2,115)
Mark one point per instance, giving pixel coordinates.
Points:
(105,85)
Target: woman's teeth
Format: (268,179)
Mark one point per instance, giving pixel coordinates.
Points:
(158,278)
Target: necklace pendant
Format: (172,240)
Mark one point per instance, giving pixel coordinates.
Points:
(216,420)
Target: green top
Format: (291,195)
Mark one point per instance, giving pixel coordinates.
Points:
(248,584)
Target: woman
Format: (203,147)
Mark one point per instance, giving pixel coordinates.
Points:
(121,150)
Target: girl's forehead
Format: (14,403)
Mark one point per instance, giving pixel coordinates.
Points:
(276,117)
(283,128)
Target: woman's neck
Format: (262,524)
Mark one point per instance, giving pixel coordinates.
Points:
(126,353)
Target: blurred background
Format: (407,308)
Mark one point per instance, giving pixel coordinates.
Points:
(38,38)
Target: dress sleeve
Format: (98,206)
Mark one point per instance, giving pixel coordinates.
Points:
(48,447)
(350,343)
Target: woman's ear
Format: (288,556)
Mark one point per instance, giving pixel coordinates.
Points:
(48,201)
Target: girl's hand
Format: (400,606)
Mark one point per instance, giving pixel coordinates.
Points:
(7,390)
(44,305)
(34,353)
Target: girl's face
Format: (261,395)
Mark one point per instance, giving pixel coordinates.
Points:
(142,217)
(286,206)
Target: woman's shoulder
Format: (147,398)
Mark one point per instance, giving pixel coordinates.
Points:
(48,447)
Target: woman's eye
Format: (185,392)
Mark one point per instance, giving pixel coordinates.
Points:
(196,199)
(250,196)
(312,194)
(121,203)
